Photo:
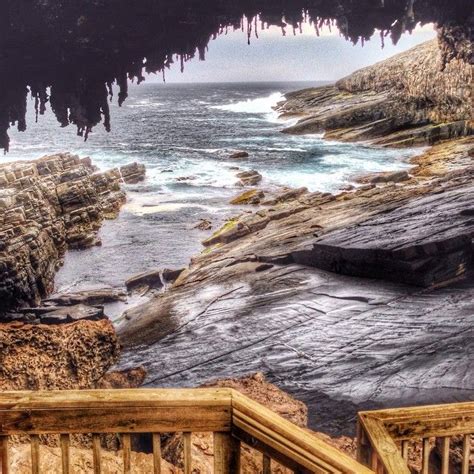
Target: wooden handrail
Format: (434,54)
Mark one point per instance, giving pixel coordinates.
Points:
(231,416)
(384,435)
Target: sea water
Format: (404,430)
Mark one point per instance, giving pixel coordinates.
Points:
(184,134)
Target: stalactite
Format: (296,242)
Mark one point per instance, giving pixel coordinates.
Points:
(81,63)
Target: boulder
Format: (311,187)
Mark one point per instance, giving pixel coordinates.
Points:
(249,178)
(238,154)
(144,281)
(171,275)
(132,173)
(253,196)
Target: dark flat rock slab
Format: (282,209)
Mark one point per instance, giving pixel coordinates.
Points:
(424,242)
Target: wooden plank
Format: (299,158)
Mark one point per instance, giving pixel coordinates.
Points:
(386,449)
(65,457)
(422,428)
(266,464)
(405,450)
(466,453)
(425,463)
(96,453)
(445,455)
(235,453)
(222,453)
(115,398)
(156,453)
(35,454)
(428,412)
(187,453)
(4,455)
(122,420)
(127,453)
(277,447)
(291,438)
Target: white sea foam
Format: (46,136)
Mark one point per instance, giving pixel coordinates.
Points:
(261,105)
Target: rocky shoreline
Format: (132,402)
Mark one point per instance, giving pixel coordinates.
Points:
(352,300)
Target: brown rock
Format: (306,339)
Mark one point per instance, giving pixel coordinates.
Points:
(203,224)
(249,178)
(145,281)
(238,154)
(67,356)
(253,196)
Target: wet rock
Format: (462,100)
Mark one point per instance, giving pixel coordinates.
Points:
(132,173)
(181,179)
(385,177)
(204,224)
(286,196)
(171,275)
(238,154)
(69,314)
(424,242)
(253,196)
(249,178)
(144,282)
(50,205)
(87,297)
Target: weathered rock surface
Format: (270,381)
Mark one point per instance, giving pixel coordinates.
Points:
(256,303)
(46,357)
(410,99)
(50,205)
(249,178)
(145,281)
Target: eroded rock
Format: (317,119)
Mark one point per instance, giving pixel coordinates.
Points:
(50,205)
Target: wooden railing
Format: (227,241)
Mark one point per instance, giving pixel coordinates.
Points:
(390,440)
(234,419)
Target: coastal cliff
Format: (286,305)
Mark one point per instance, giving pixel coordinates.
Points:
(48,206)
(410,99)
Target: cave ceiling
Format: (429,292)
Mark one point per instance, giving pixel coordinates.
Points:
(71,55)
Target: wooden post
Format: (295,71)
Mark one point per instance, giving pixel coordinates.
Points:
(445,455)
(4,454)
(156,453)
(96,454)
(187,453)
(226,453)
(267,464)
(405,450)
(466,453)
(65,460)
(426,456)
(35,457)
(127,448)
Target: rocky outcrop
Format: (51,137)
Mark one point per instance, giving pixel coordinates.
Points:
(256,299)
(410,99)
(50,205)
(46,357)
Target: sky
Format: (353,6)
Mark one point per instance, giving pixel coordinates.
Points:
(304,57)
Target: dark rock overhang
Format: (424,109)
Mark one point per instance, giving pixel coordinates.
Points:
(81,48)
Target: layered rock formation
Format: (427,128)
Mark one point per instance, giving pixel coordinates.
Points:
(410,99)
(50,205)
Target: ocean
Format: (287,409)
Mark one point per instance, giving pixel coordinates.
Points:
(184,134)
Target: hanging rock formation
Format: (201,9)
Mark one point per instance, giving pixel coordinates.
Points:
(77,49)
